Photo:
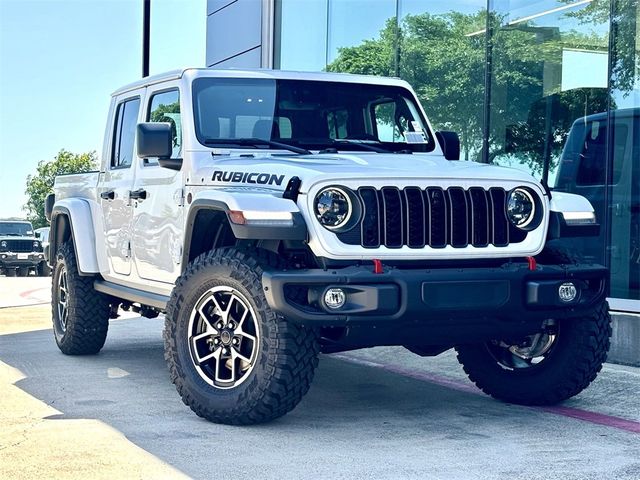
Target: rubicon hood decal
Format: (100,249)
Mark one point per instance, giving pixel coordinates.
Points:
(247,177)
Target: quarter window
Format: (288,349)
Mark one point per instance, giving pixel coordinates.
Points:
(125,132)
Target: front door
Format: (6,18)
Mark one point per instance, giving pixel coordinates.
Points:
(158,213)
(117,183)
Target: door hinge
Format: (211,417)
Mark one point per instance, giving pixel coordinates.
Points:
(178,197)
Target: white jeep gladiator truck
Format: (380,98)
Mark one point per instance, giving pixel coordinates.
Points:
(274,215)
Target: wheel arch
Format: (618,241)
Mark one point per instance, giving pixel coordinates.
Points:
(208,226)
(67,215)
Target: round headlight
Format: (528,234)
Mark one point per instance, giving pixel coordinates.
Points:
(36,244)
(333,207)
(3,244)
(521,207)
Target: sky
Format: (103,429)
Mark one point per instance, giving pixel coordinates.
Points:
(59,62)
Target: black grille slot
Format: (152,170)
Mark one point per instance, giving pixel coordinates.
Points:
(438,213)
(499,220)
(433,217)
(458,217)
(392,214)
(479,217)
(370,227)
(417,216)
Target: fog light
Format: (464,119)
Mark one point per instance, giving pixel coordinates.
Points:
(567,292)
(335,298)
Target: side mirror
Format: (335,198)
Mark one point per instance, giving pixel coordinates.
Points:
(450,144)
(154,140)
(49,201)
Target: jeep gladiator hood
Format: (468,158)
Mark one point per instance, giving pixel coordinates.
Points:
(273,170)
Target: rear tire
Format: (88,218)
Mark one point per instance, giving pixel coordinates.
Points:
(80,314)
(232,359)
(23,271)
(10,272)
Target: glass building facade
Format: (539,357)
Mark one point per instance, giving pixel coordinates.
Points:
(525,83)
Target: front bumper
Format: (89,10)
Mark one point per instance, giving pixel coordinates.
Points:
(13,259)
(509,294)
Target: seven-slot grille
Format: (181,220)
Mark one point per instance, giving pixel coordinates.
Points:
(433,217)
(21,246)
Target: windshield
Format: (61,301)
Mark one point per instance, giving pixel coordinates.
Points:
(23,229)
(309,114)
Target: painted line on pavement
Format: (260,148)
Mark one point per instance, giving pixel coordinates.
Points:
(576,413)
(27,293)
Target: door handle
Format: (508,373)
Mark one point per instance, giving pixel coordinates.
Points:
(139,194)
(108,195)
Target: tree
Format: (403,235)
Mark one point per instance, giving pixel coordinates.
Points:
(444,58)
(41,184)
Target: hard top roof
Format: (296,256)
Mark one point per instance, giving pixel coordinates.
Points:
(258,73)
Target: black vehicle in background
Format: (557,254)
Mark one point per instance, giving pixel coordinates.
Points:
(20,250)
(583,170)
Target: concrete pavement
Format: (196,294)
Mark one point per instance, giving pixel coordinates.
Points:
(377,413)
(21,291)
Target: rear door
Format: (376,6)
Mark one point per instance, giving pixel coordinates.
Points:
(117,182)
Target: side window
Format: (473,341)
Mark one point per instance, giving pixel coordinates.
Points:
(592,166)
(124,133)
(165,107)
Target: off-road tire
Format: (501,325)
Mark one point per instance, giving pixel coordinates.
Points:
(43,269)
(287,354)
(10,272)
(87,321)
(574,363)
(23,271)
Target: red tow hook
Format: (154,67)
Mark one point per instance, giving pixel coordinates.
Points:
(377,266)
(532,263)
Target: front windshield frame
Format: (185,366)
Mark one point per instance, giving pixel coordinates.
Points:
(291,109)
(21,229)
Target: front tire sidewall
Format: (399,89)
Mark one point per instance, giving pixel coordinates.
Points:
(197,286)
(286,354)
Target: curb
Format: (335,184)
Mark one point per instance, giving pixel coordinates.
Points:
(625,340)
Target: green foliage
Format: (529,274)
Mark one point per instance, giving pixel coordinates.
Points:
(159,112)
(444,57)
(41,184)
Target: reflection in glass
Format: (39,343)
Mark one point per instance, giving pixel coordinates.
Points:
(624,194)
(301,35)
(548,68)
(357,23)
(442,54)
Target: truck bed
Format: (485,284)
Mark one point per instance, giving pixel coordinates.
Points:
(78,185)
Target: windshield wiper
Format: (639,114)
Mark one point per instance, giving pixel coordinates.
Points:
(254,142)
(367,145)
(361,143)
